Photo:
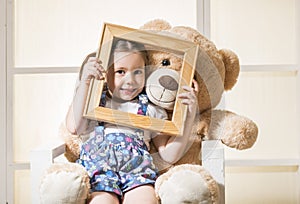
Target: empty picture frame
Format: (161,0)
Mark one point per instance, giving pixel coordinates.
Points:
(189,51)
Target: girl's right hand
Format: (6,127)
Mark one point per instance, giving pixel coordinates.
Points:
(92,69)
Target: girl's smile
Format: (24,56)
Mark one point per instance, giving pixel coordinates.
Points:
(127,90)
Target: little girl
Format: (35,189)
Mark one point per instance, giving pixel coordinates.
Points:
(117,158)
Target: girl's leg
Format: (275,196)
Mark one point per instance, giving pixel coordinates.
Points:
(143,194)
(103,197)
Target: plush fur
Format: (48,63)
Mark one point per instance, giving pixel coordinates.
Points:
(216,72)
(176,186)
(65,183)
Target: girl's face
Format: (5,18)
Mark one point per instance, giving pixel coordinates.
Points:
(128,75)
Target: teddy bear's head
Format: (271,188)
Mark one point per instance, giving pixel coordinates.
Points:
(216,70)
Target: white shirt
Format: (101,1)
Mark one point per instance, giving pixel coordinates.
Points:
(132,107)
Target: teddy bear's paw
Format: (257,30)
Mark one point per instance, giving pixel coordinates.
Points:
(234,130)
(187,184)
(73,145)
(241,132)
(64,183)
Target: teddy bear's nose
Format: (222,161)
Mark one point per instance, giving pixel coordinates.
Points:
(168,82)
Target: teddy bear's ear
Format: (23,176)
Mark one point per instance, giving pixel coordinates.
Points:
(156,24)
(232,67)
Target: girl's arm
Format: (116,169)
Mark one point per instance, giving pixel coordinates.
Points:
(171,148)
(75,121)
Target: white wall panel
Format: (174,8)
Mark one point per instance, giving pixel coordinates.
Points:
(260,31)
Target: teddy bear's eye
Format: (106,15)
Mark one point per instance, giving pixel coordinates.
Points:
(165,62)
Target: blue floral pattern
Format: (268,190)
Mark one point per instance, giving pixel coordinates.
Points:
(118,162)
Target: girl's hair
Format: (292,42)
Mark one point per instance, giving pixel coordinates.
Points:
(120,45)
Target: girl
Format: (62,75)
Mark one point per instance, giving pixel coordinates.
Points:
(117,157)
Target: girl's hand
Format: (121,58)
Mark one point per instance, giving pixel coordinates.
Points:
(92,69)
(190,98)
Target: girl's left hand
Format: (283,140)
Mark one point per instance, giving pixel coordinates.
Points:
(190,98)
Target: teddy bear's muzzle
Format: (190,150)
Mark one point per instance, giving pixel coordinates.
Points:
(168,82)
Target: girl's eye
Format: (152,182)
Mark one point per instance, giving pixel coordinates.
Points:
(138,71)
(121,72)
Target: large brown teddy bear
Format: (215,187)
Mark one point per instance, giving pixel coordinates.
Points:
(219,75)
(216,71)
(186,181)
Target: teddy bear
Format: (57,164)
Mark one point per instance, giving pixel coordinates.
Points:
(186,181)
(216,72)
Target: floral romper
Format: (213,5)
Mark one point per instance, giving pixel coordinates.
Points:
(118,162)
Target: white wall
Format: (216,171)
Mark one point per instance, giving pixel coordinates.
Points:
(268,172)
(265,35)
(2,101)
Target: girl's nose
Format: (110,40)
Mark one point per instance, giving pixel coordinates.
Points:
(129,79)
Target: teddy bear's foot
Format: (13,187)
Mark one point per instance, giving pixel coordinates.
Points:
(187,183)
(65,183)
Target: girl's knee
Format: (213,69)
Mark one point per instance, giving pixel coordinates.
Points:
(103,197)
(142,194)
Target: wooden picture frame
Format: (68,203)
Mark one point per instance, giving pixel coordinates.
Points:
(189,51)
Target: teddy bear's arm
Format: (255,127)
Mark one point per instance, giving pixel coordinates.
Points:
(234,130)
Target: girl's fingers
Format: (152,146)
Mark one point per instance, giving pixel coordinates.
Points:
(101,73)
(93,69)
(97,73)
(187,88)
(189,94)
(100,70)
(184,95)
(92,59)
(189,97)
(92,72)
(188,101)
(196,86)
